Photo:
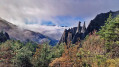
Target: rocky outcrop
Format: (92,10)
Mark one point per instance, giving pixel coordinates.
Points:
(99,21)
(4,36)
(78,33)
(73,35)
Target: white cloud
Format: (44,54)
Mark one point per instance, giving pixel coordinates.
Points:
(17,11)
(52,31)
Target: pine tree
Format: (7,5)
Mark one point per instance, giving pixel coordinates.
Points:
(109,32)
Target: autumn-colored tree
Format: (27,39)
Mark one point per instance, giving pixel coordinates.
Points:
(92,52)
(6,54)
(69,57)
(94,44)
(15,54)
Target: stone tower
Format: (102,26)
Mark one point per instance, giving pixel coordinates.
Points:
(74,34)
(83,30)
(79,28)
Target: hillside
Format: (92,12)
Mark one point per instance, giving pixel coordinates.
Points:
(23,34)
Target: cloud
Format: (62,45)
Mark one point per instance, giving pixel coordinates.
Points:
(60,12)
(51,31)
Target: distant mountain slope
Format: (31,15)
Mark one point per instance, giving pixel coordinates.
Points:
(23,34)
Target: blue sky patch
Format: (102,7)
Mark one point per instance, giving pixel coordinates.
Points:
(68,20)
(45,22)
(59,20)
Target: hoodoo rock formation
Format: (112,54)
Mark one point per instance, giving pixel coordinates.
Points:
(74,34)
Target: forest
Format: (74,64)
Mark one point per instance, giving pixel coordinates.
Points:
(98,49)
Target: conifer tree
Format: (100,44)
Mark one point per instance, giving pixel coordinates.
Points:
(109,32)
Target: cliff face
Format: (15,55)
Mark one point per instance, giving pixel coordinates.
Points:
(76,34)
(99,21)
(73,35)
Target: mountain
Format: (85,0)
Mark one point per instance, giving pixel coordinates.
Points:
(23,34)
(71,35)
(99,21)
(74,34)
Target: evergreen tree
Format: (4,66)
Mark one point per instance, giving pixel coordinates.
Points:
(109,32)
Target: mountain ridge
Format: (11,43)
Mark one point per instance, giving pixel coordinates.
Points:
(99,21)
(95,24)
(23,34)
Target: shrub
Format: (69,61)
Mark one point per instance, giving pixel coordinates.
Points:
(94,44)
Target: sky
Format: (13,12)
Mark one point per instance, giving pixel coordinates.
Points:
(40,15)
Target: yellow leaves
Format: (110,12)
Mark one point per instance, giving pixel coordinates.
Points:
(61,62)
(117,19)
(112,62)
(117,42)
(69,57)
(94,44)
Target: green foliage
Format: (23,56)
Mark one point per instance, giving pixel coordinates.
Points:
(45,54)
(20,54)
(87,59)
(17,53)
(57,51)
(23,61)
(31,46)
(23,54)
(16,45)
(110,32)
(42,55)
